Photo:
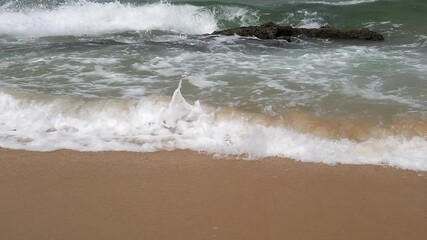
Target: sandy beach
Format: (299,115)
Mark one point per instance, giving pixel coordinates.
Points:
(186,195)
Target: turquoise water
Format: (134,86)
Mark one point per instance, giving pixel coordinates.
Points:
(99,75)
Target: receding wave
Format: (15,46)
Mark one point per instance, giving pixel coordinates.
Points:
(44,123)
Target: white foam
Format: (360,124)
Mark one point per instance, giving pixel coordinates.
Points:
(303,76)
(41,123)
(93,18)
(6,5)
(306,19)
(342,3)
(201,82)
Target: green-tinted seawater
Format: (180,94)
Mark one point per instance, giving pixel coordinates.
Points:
(89,72)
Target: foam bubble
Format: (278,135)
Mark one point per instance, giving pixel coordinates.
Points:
(45,123)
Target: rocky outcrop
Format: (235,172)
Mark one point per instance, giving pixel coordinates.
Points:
(271,30)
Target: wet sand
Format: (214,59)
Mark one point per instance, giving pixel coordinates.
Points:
(186,195)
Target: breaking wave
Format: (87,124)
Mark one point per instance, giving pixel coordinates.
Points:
(94,18)
(44,123)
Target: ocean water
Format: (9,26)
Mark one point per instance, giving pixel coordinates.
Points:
(147,76)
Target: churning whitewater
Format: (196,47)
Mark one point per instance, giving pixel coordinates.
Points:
(112,76)
(105,18)
(45,124)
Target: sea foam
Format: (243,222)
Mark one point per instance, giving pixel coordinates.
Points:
(46,123)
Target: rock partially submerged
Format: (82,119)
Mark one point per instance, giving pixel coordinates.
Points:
(271,30)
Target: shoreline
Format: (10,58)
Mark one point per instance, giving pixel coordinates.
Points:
(186,195)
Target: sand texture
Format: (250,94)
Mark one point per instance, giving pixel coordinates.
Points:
(185,195)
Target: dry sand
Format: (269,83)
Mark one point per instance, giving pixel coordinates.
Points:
(185,195)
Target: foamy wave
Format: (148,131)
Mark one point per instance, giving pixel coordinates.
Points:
(239,15)
(35,122)
(93,18)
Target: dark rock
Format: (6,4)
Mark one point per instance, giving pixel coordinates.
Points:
(265,31)
(271,30)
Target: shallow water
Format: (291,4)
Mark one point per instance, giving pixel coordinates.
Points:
(99,75)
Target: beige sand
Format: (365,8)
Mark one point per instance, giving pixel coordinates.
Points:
(185,195)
